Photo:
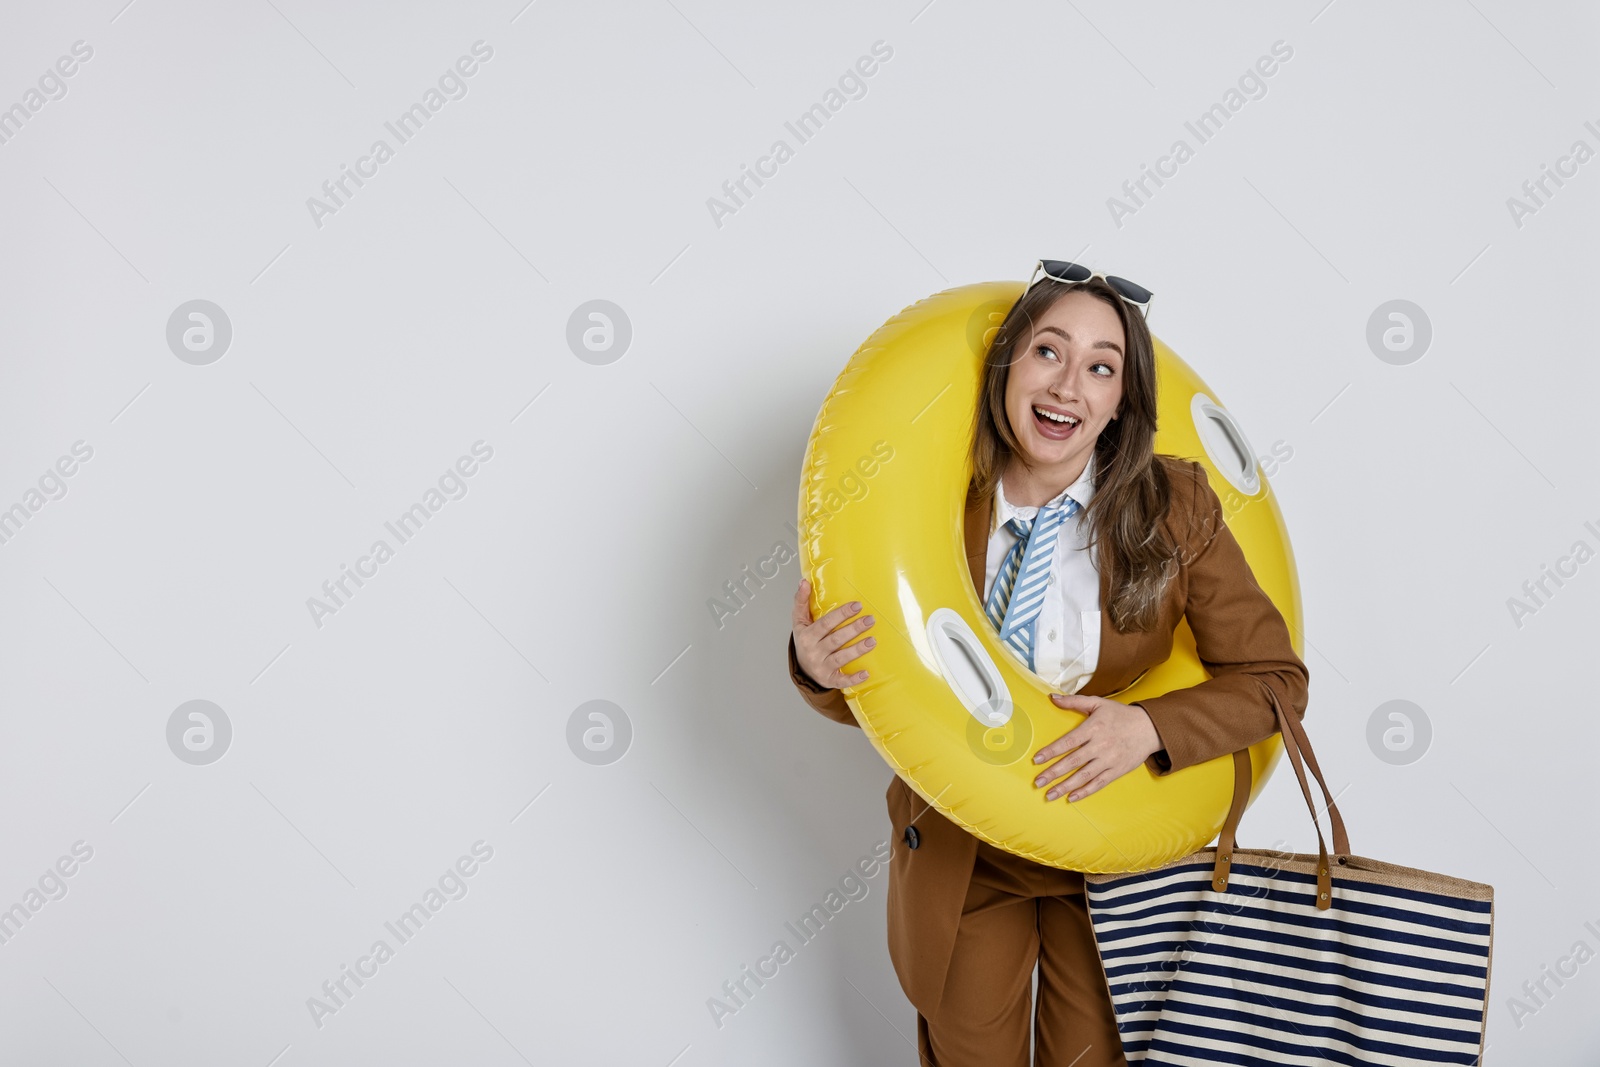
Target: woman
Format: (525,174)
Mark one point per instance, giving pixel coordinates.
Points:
(1134,543)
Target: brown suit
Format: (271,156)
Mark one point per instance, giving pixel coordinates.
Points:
(1241,638)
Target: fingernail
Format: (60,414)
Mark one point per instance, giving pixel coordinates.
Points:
(1039,780)
(855,606)
(868,619)
(869,642)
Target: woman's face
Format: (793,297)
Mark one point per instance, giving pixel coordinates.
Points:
(1071,367)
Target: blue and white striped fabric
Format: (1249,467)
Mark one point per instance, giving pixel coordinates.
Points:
(1026,570)
(1395,972)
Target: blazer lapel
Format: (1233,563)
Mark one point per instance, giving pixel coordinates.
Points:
(1115,647)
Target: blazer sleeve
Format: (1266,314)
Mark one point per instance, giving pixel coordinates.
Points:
(829,702)
(1241,637)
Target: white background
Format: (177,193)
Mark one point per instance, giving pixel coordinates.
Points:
(372,351)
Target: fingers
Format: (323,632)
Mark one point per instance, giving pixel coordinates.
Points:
(1064,769)
(1089,788)
(1063,744)
(802,604)
(839,649)
(833,618)
(1081,734)
(851,679)
(844,634)
(836,661)
(829,620)
(833,641)
(1081,776)
(826,641)
(802,607)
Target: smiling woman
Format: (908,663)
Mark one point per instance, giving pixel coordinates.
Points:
(1081,556)
(1032,742)
(1035,380)
(1057,401)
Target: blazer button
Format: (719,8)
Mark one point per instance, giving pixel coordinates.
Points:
(912,838)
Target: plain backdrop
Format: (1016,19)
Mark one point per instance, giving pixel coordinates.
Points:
(372,346)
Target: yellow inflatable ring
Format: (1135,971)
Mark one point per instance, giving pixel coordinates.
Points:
(882,499)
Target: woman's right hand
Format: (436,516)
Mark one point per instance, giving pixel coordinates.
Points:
(821,649)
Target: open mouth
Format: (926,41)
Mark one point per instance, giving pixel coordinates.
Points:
(1056,425)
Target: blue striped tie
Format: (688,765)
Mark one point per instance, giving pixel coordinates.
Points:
(1018,592)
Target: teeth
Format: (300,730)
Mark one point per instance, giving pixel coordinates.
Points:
(1053,417)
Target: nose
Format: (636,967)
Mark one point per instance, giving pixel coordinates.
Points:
(1065,386)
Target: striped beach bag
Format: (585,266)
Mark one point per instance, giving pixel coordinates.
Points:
(1262,958)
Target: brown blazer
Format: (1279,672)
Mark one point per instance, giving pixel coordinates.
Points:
(1242,640)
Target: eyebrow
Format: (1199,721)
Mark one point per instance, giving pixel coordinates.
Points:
(1098,344)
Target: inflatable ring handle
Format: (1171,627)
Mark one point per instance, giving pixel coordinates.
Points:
(967,668)
(1226,446)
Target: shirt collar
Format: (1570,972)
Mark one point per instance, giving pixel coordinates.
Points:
(1081,490)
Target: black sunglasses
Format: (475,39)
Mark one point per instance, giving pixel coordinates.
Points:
(1062,270)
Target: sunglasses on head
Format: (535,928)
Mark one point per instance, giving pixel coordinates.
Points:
(1062,270)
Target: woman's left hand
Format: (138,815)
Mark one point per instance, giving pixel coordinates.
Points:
(1112,741)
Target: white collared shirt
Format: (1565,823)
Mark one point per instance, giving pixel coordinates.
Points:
(1068,632)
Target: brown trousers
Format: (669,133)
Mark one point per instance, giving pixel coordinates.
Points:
(1018,913)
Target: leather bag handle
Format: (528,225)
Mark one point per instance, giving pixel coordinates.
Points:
(1298,747)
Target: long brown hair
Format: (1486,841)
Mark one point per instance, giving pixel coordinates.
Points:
(1131,493)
